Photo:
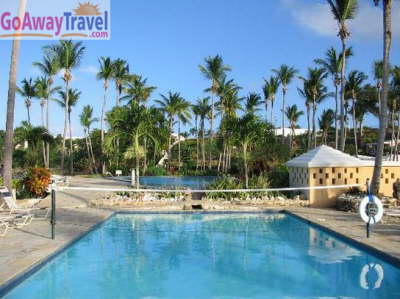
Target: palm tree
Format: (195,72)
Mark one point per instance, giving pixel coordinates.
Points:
(204,109)
(317,91)
(383,115)
(353,88)
(69,56)
(270,89)
(213,70)
(137,90)
(49,67)
(168,105)
(86,120)
(183,115)
(12,87)
(248,130)
(253,100)
(104,74)
(343,10)
(378,76)
(120,74)
(293,115)
(306,94)
(325,123)
(195,111)
(285,75)
(67,102)
(333,64)
(28,91)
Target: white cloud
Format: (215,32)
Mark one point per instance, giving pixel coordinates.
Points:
(318,18)
(90,69)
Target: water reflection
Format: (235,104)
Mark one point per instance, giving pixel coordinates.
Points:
(371,276)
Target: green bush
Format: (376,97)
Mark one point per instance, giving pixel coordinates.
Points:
(279,177)
(156,171)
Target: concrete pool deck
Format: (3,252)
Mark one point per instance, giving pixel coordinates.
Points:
(23,248)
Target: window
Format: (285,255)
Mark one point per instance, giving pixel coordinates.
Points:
(392,176)
(327,175)
(357,181)
(339,175)
(386,181)
(386,171)
(320,170)
(333,181)
(314,175)
(345,170)
(351,175)
(382,176)
(357,170)
(321,181)
(345,181)
(333,170)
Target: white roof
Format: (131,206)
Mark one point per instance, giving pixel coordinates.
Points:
(288,132)
(325,156)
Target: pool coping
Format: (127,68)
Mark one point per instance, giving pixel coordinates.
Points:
(9,285)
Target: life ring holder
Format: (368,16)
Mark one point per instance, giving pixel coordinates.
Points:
(363,276)
(365,216)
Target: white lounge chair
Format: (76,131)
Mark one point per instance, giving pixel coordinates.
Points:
(3,227)
(16,219)
(11,206)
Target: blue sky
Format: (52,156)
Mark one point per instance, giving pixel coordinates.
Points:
(165,41)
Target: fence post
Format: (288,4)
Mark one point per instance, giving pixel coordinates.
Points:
(53,211)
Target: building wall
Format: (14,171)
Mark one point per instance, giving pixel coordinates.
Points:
(326,176)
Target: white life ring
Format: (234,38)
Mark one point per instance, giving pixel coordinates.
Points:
(363,276)
(363,212)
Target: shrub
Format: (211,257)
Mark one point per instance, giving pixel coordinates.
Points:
(223,183)
(156,171)
(279,177)
(36,181)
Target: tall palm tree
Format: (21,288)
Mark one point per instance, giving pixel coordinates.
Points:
(325,123)
(333,63)
(195,112)
(44,93)
(49,67)
(354,86)
(383,115)
(343,10)
(307,95)
(12,87)
(285,74)
(104,74)
(183,116)
(69,56)
(120,74)
(168,105)
(315,85)
(67,102)
(28,91)
(270,89)
(204,109)
(214,70)
(293,115)
(378,76)
(86,119)
(137,90)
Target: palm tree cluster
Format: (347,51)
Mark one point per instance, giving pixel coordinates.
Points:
(228,126)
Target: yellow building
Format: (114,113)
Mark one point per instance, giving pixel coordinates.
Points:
(325,166)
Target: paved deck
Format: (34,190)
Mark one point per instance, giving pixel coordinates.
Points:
(23,248)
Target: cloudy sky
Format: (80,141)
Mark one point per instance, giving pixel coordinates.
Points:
(165,41)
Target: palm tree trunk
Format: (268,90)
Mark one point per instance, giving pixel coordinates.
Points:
(103,167)
(246,175)
(65,125)
(393,137)
(355,127)
(203,151)
(314,123)
(197,143)
(342,94)
(145,156)
(88,151)
(179,145)
(272,113)
(283,112)
(47,127)
(71,151)
(12,87)
(211,131)
(387,32)
(171,121)
(308,128)
(336,118)
(29,113)
(91,152)
(137,158)
(397,137)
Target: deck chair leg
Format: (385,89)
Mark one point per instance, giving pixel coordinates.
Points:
(5,229)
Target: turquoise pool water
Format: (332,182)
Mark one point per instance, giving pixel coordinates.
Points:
(211,256)
(191,182)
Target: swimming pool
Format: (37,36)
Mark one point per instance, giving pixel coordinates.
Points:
(191,182)
(210,256)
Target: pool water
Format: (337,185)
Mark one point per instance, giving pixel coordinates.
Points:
(191,182)
(211,256)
